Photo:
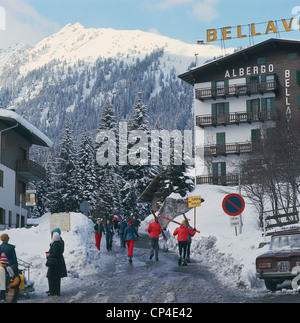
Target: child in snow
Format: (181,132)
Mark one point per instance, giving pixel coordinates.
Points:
(3,274)
(14,283)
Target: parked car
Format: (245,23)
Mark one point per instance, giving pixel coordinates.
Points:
(281,261)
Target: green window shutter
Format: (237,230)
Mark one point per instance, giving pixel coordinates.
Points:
(255,135)
(298,77)
(223,168)
(293,56)
(261,60)
(249,106)
(221,138)
(215,169)
(263,104)
(214,109)
(273,103)
(213,84)
(298,101)
(263,78)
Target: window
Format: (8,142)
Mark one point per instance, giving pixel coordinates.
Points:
(1,178)
(2,216)
(261,60)
(3,142)
(298,77)
(253,108)
(255,135)
(293,56)
(220,112)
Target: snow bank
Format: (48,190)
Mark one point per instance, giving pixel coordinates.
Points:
(231,257)
(31,245)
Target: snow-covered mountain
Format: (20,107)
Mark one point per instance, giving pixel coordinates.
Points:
(75,70)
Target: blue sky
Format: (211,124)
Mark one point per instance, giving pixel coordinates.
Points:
(186,20)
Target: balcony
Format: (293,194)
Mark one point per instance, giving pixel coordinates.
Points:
(228,179)
(223,180)
(228,149)
(30,170)
(236,90)
(236,118)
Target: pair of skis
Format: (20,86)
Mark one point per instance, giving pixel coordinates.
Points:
(171,220)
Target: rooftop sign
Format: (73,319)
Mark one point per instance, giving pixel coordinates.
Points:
(254,29)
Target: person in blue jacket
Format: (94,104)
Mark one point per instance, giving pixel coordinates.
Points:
(130,235)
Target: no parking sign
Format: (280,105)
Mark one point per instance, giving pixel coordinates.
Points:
(233,204)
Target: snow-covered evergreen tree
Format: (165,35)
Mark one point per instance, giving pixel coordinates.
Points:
(68,188)
(86,170)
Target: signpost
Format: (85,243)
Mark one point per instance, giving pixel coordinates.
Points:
(194,201)
(234,205)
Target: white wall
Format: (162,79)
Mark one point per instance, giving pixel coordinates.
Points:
(7,197)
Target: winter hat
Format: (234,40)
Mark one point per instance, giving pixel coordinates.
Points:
(57,230)
(183,222)
(3,258)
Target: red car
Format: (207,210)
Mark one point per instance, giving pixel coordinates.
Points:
(282,261)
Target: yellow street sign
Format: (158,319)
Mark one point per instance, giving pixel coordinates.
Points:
(194,201)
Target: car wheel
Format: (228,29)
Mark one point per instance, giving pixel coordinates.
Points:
(271,285)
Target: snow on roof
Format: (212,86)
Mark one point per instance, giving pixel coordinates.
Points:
(27,129)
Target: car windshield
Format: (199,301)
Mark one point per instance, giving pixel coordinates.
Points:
(285,242)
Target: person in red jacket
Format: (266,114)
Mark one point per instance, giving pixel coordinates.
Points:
(182,234)
(154,229)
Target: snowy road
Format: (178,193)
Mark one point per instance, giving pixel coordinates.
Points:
(144,281)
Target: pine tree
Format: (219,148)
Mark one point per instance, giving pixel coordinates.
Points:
(86,170)
(67,185)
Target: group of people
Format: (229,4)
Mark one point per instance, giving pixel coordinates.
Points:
(128,232)
(9,273)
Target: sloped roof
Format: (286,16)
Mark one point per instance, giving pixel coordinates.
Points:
(24,128)
(274,43)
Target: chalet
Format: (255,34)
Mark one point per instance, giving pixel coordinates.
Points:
(16,169)
(238,100)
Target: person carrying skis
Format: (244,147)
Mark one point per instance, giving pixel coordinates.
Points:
(130,235)
(99,229)
(154,229)
(182,236)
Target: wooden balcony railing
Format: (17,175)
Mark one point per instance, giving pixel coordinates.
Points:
(236,90)
(236,118)
(227,149)
(30,170)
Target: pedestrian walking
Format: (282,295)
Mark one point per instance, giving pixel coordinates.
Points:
(130,235)
(135,222)
(122,227)
(182,236)
(3,276)
(154,229)
(9,250)
(115,222)
(166,238)
(188,249)
(109,232)
(99,229)
(56,263)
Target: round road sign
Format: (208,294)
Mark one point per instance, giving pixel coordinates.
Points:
(233,204)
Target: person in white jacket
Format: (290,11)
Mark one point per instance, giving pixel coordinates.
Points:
(3,265)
